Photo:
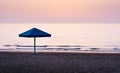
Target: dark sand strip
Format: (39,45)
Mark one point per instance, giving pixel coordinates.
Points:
(51,62)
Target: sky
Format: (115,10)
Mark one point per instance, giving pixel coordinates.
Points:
(60,11)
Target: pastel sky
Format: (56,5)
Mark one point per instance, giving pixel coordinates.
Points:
(36,11)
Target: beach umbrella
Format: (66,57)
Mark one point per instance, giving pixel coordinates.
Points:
(33,33)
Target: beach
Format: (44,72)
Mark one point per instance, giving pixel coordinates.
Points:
(59,62)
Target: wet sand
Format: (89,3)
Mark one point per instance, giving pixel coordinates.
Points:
(51,62)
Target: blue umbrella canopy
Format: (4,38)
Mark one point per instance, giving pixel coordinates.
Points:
(34,32)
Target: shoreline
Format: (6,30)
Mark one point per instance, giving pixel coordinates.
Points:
(61,51)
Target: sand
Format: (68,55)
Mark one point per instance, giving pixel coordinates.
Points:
(51,62)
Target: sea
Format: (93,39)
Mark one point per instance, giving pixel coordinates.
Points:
(66,37)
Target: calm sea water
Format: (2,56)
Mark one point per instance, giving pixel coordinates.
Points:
(81,36)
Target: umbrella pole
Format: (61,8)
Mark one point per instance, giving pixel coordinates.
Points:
(34,45)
